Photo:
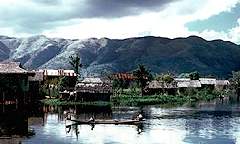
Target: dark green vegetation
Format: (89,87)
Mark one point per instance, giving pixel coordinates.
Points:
(218,58)
(142,76)
(51,87)
(60,102)
(190,97)
(128,98)
(75,63)
(235,84)
(128,93)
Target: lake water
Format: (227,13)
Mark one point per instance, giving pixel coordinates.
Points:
(214,123)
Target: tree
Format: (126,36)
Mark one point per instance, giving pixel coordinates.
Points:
(194,75)
(117,85)
(67,82)
(75,63)
(167,78)
(142,75)
(235,83)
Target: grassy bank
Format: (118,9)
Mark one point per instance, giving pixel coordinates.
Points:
(190,98)
(126,100)
(136,100)
(58,102)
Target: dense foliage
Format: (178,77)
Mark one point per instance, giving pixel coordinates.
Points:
(191,98)
(142,75)
(75,63)
(235,82)
(167,78)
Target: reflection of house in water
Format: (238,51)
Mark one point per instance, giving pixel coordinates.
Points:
(80,111)
(93,89)
(14,88)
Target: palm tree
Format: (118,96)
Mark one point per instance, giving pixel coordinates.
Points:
(142,76)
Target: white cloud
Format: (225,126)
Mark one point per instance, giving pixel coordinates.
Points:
(232,35)
(170,22)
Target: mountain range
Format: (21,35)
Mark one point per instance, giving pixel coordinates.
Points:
(98,56)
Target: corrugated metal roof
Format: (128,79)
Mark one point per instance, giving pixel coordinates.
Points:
(207,81)
(92,80)
(157,84)
(182,79)
(191,83)
(187,83)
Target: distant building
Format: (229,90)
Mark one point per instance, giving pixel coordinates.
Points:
(156,87)
(57,73)
(189,84)
(181,84)
(93,89)
(201,83)
(51,74)
(124,76)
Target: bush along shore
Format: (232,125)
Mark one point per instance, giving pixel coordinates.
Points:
(137,100)
(181,99)
(58,102)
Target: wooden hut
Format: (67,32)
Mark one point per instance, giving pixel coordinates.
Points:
(14,87)
(35,83)
(93,89)
(14,83)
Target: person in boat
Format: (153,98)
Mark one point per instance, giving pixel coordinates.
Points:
(91,119)
(139,117)
(67,115)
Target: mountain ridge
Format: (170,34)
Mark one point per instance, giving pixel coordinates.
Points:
(178,55)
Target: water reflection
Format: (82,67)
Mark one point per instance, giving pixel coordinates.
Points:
(13,121)
(210,123)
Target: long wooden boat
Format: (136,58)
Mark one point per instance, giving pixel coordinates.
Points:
(116,122)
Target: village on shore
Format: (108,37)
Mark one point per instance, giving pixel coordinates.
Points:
(22,86)
(21,90)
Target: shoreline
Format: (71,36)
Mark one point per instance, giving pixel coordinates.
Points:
(130,100)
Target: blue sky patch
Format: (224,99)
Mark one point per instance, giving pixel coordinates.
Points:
(221,22)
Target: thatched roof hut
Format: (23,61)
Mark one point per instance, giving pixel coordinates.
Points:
(13,68)
(37,77)
(94,85)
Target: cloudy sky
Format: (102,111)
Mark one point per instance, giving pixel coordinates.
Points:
(210,19)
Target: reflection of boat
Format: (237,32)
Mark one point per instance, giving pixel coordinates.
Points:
(129,122)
